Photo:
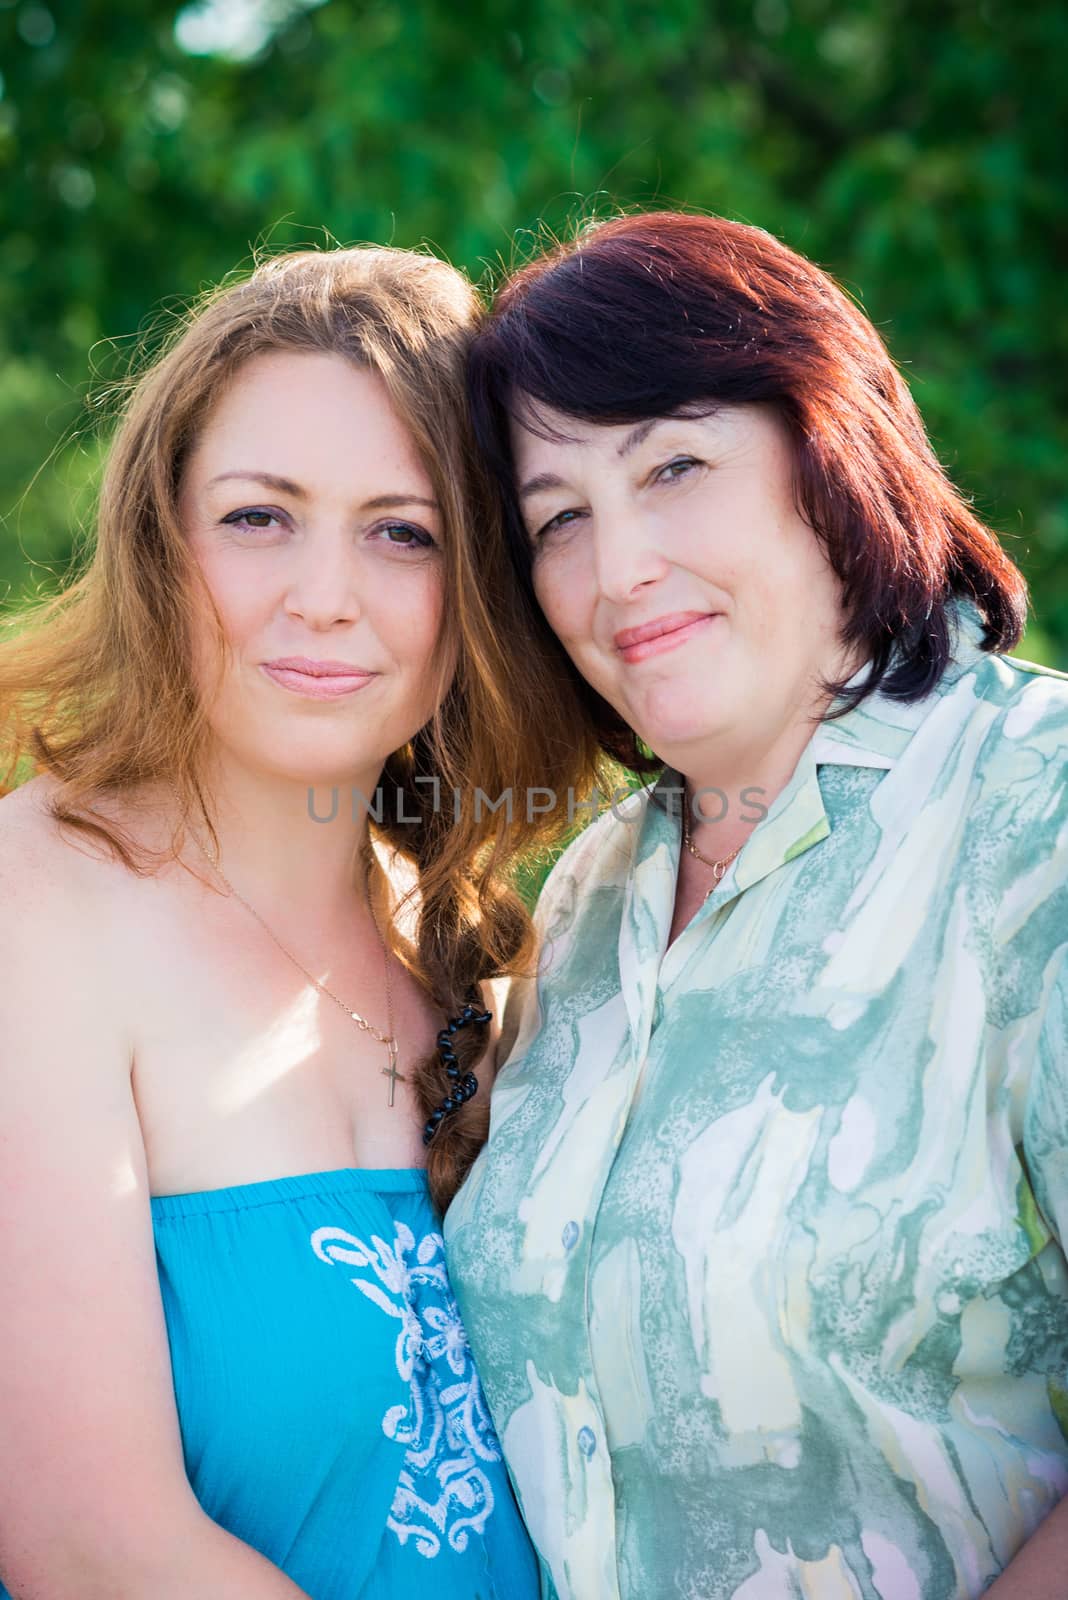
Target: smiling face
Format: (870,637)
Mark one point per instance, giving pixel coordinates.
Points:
(671,561)
(312,520)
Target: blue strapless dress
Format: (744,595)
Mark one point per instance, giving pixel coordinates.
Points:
(330,1411)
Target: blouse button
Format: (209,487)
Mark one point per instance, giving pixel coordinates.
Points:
(586,1442)
(569,1237)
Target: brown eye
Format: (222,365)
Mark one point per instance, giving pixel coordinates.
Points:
(405,536)
(252,517)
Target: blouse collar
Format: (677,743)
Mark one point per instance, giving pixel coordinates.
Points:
(875,734)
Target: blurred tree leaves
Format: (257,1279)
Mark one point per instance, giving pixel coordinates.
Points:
(914,150)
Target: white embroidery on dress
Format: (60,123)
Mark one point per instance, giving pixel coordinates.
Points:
(442,1492)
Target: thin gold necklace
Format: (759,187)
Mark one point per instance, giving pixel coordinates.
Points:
(719,867)
(388,1039)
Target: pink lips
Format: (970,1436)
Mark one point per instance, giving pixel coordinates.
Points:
(317,680)
(663,633)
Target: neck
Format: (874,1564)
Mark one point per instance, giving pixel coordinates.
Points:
(730,787)
(273,849)
(743,771)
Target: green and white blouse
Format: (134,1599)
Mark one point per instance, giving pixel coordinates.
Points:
(763,1265)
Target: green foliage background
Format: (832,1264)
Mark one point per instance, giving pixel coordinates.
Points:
(915,150)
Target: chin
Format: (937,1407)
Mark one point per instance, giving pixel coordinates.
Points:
(674,746)
(308,762)
(674,722)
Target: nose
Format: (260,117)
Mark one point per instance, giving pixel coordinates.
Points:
(626,554)
(323,589)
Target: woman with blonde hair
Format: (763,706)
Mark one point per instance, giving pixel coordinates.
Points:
(243,939)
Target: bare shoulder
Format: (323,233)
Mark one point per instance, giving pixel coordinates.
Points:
(39,873)
(30,836)
(59,902)
(40,854)
(73,1155)
(27,806)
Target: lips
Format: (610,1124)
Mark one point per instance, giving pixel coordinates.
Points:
(317,680)
(318,669)
(662,633)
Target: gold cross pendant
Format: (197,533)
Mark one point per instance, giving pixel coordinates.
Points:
(391,1071)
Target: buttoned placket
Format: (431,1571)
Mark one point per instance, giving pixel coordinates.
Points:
(797,822)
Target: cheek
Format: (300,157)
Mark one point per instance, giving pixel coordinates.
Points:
(808,572)
(410,614)
(433,609)
(231,586)
(796,600)
(561,593)
(220,608)
(413,637)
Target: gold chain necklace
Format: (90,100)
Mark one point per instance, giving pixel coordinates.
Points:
(719,867)
(388,1039)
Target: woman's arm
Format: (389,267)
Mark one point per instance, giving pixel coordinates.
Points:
(94,1498)
(199,1560)
(1039,1571)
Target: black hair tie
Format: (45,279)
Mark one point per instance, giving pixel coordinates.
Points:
(460,1089)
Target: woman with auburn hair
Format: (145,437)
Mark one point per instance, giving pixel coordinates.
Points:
(764,1261)
(230,1360)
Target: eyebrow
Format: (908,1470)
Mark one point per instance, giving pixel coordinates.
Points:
(535,485)
(387,502)
(270,480)
(636,436)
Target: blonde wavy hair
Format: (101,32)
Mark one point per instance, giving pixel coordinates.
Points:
(96,683)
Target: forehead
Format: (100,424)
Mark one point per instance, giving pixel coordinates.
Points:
(544,439)
(538,429)
(305,414)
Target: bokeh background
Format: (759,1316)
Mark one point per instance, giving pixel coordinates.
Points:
(914,149)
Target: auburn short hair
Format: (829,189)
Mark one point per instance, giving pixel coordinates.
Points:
(651,314)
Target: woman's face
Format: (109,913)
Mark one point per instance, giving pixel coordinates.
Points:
(673,564)
(313,522)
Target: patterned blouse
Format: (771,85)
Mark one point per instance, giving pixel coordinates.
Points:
(763,1264)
